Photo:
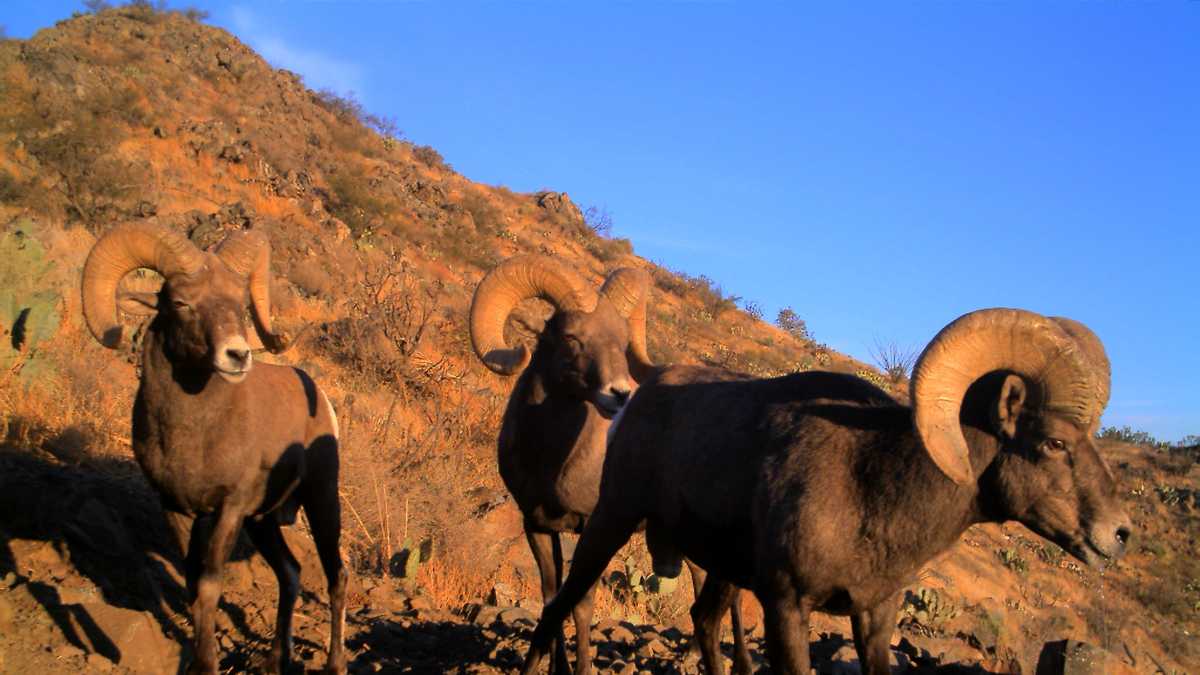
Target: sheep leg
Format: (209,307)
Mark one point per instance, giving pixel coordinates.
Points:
(268,539)
(742,665)
(873,635)
(715,598)
(692,655)
(741,652)
(208,588)
(602,538)
(583,633)
(787,631)
(190,534)
(547,553)
(324,512)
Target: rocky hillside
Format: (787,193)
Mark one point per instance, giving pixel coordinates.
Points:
(135,113)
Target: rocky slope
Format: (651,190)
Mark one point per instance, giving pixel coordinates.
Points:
(135,113)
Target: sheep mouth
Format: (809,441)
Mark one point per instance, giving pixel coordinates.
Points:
(1088,553)
(233,376)
(607,409)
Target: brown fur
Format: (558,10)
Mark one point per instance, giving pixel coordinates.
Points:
(235,453)
(814,491)
(552,446)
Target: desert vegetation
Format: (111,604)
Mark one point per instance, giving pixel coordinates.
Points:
(141,113)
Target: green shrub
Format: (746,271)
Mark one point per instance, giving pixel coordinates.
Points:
(1012,559)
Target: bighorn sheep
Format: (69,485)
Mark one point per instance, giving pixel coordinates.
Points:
(552,440)
(820,492)
(213,436)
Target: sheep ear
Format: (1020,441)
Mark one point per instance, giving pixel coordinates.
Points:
(137,303)
(1008,406)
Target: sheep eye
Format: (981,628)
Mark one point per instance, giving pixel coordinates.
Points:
(1055,444)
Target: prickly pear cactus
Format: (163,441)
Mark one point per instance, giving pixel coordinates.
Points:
(30,311)
(928,608)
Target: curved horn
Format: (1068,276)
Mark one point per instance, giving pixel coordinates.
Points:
(978,343)
(248,254)
(120,251)
(506,286)
(628,289)
(1093,351)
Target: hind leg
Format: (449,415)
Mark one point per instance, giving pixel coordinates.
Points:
(582,613)
(324,511)
(715,598)
(268,539)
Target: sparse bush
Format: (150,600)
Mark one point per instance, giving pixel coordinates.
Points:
(791,323)
(896,362)
(488,219)
(77,142)
(710,295)
(348,109)
(430,157)
(754,309)
(608,250)
(355,203)
(599,220)
(389,313)
(1129,435)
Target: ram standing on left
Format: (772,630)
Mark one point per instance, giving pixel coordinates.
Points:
(248,446)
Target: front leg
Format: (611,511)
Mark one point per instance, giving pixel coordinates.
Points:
(873,635)
(547,553)
(207,588)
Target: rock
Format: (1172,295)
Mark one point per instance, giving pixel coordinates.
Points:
(68,652)
(78,592)
(652,648)
(620,634)
(486,615)
(622,668)
(98,664)
(501,595)
(515,614)
(420,602)
(1072,657)
(132,639)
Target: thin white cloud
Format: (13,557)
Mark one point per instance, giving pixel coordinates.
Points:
(320,71)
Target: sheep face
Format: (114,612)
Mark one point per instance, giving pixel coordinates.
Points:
(587,356)
(202,316)
(1050,476)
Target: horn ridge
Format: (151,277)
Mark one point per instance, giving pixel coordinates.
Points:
(983,341)
(118,252)
(628,289)
(507,285)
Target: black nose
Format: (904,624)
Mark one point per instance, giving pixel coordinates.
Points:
(238,356)
(621,395)
(1123,534)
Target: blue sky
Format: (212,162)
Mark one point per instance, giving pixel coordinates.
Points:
(881,168)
